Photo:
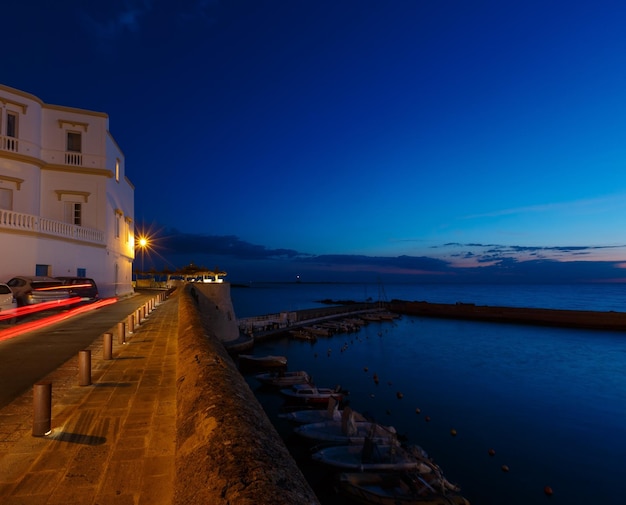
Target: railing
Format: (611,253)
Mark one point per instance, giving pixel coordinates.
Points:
(26,222)
(52,156)
(75,159)
(9,144)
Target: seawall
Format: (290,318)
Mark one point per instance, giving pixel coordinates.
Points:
(583,319)
(227,450)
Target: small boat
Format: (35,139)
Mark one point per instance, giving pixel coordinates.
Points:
(371,457)
(348,430)
(331,413)
(282,378)
(397,489)
(310,394)
(268,361)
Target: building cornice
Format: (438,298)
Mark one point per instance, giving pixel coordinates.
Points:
(6,100)
(74,124)
(17,181)
(79,170)
(61,192)
(23,94)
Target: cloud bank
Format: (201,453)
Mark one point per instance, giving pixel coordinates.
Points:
(461,263)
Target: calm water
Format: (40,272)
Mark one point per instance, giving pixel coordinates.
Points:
(551,402)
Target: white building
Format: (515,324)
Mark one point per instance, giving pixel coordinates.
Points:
(66,206)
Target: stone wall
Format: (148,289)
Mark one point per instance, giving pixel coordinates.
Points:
(227,450)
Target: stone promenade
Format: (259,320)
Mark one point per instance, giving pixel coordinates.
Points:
(112,442)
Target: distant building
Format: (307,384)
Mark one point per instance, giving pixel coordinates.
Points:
(66,206)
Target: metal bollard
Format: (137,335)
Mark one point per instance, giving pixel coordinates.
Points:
(121,334)
(144,311)
(42,406)
(108,346)
(84,368)
(131,323)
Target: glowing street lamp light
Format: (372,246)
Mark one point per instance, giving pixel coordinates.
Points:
(143,244)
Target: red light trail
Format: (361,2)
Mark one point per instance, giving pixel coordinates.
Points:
(49,320)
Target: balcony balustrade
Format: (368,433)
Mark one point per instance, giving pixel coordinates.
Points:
(9,144)
(41,225)
(52,156)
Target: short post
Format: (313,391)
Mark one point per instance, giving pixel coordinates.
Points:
(42,406)
(121,334)
(84,368)
(108,346)
(131,323)
(144,311)
(138,317)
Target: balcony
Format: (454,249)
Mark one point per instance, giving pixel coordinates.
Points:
(10,220)
(51,156)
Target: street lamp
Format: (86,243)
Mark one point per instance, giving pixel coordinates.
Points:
(143,243)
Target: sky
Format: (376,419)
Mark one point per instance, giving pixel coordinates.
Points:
(408,140)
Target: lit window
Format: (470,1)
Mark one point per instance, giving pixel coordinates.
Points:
(117,170)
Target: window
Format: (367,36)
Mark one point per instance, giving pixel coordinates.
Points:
(6,199)
(117,170)
(81,272)
(11,124)
(117,224)
(74,213)
(74,142)
(42,270)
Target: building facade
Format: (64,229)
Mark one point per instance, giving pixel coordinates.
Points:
(66,205)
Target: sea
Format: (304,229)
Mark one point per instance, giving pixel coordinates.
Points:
(513,414)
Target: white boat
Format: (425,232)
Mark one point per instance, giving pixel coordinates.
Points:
(330,413)
(371,457)
(310,394)
(268,361)
(282,378)
(348,430)
(398,488)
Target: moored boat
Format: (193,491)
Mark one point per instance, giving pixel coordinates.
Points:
(371,457)
(352,428)
(282,378)
(399,488)
(268,361)
(310,394)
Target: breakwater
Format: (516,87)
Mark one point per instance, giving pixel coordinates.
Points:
(227,450)
(583,319)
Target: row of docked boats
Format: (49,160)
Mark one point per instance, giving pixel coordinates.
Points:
(370,464)
(345,325)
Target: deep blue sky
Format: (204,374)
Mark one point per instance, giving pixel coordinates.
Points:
(439,140)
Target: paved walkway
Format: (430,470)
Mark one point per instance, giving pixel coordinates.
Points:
(112,442)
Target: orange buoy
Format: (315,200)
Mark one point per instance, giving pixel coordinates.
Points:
(505,468)
(491,452)
(453,432)
(399,395)
(365,369)
(548,490)
(427,419)
(417,411)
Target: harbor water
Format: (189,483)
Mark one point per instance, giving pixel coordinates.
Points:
(531,407)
